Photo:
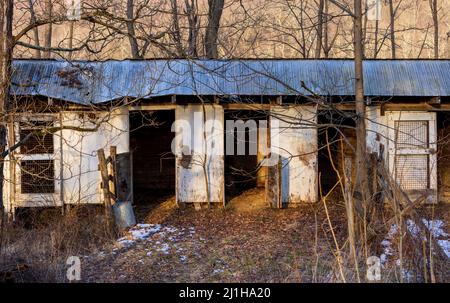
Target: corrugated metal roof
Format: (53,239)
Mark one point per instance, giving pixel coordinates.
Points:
(96,82)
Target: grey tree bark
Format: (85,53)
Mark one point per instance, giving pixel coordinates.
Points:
(361,167)
(134,47)
(320,22)
(212,29)
(192,14)
(49,30)
(37,52)
(6,47)
(434,13)
(392,28)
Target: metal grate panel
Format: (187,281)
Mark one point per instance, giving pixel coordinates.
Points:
(37,177)
(37,143)
(412,171)
(411,134)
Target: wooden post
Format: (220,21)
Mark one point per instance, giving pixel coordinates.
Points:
(112,169)
(273,185)
(262,151)
(105,186)
(280,182)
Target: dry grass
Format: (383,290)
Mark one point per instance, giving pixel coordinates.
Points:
(35,248)
(245,242)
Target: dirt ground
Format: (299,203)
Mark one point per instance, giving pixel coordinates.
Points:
(244,242)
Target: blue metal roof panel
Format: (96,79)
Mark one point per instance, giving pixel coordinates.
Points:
(96,82)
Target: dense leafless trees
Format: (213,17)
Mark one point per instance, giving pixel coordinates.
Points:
(228,28)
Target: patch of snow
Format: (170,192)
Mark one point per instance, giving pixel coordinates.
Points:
(218,271)
(183,258)
(412,228)
(164,248)
(170,229)
(436,227)
(124,242)
(387,244)
(143,231)
(445,245)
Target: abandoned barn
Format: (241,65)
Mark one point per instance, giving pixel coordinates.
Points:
(168,121)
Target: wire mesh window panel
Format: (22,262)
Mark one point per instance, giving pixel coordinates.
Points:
(411,134)
(37,177)
(38,143)
(412,171)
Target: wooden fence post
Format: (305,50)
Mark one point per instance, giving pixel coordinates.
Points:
(105,186)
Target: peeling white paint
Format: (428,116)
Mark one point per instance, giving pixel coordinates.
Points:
(206,154)
(294,137)
(381,132)
(80,181)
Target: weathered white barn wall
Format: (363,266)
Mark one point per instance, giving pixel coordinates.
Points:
(81,178)
(377,131)
(75,157)
(199,149)
(293,136)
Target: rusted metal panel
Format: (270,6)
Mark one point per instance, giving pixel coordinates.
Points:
(87,82)
(199,151)
(294,137)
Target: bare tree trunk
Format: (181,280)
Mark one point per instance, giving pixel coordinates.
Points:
(212,30)
(326,46)
(6,47)
(71,28)
(176,32)
(361,169)
(434,12)
(48,34)
(392,28)
(131,32)
(37,52)
(375,42)
(319,29)
(191,11)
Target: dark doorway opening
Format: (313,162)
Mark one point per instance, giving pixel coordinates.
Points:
(153,161)
(336,137)
(242,171)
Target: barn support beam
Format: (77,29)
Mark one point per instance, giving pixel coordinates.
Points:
(199,153)
(293,136)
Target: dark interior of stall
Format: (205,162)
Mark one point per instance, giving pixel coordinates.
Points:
(153,161)
(241,171)
(336,140)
